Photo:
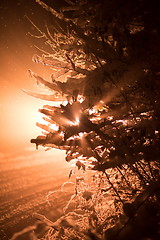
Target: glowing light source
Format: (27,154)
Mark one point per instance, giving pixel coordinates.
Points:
(76,122)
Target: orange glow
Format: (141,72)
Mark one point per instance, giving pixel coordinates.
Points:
(19,111)
(19,114)
(77,121)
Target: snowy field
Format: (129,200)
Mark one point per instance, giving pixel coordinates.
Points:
(26,178)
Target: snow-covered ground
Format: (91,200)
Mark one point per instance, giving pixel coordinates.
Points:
(25,180)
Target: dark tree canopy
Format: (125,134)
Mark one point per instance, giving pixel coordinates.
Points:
(105,58)
(105,61)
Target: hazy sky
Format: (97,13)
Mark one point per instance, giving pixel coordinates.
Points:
(18,111)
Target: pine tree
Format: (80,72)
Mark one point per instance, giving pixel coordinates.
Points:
(105,61)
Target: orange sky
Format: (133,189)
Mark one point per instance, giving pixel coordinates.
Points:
(18,111)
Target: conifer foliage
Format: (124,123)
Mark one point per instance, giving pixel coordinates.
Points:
(105,59)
